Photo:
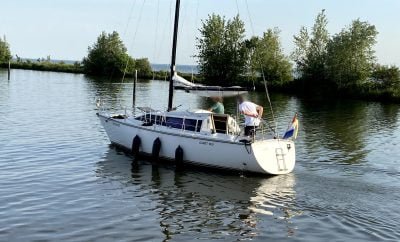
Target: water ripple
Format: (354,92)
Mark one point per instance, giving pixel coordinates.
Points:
(61,180)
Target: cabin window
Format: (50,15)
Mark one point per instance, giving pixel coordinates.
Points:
(172,122)
(154,119)
(175,123)
(193,125)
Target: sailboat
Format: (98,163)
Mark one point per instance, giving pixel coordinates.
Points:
(198,137)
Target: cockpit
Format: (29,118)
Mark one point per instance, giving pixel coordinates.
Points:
(199,121)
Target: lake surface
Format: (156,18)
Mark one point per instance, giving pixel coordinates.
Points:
(61,179)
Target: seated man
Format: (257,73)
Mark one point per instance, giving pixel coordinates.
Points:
(218,107)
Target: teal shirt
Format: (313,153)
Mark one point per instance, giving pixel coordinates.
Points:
(218,108)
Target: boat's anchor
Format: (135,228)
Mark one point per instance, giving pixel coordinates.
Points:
(155,153)
(136,146)
(179,157)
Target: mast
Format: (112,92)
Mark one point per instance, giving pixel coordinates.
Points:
(173,59)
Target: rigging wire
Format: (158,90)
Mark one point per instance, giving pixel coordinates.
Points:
(237,103)
(156,33)
(123,37)
(165,28)
(133,41)
(197,15)
(181,31)
(263,74)
(195,27)
(134,37)
(165,36)
(184,30)
(237,7)
(129,19)
(125,31)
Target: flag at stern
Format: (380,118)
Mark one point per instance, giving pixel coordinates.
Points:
(293,128)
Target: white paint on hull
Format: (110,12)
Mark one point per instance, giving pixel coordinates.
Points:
(271,156)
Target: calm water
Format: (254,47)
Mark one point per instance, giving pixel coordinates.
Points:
(61,180)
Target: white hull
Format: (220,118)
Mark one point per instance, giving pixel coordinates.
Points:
(270,156)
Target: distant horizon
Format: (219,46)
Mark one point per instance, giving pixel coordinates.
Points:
(185,68)
(73,61)
(64,29)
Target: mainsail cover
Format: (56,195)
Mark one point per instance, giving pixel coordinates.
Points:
(181,83)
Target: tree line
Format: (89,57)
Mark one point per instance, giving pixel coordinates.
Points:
(321,63)
(108,56)
(343,63)
(225,57)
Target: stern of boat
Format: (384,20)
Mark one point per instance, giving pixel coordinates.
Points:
(275,156)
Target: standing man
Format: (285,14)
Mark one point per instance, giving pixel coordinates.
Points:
(252,113)
(218,107)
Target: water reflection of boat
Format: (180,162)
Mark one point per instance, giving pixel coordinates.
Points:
(203,203)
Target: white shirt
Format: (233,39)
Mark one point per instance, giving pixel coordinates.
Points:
(249,107)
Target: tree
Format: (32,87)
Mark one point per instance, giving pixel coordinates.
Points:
(143,67)
(310,52)
(268,58)
(299,55)
(317,52)
(108,56)
(222,51)
(5,53)
(253,66)
(350,57)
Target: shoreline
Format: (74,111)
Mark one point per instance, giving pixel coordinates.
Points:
(294,87)
(78,69)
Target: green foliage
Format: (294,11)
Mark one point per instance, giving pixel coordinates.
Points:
(310,52)
(299,55)
(46,66)
(388,76)
(252,64)
(350,57)
(344,62)
(5,53)
(143,67)
(108,56)
(267,57)
(317,52)
(222,50)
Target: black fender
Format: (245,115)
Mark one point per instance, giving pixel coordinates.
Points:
(179,157)
(155,152)
(136,145)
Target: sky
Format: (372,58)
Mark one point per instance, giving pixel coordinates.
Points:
(63,29)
